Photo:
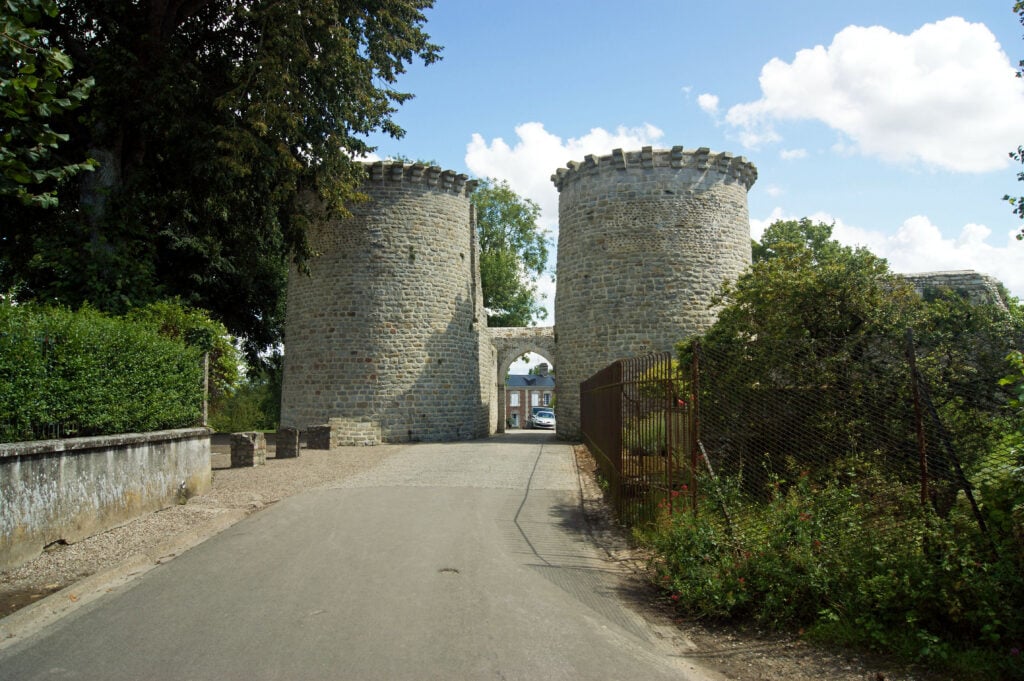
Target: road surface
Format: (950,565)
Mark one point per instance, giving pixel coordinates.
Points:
(451,561)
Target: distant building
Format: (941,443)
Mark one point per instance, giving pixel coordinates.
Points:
(522,393)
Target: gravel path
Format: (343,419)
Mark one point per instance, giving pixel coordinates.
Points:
(234,489)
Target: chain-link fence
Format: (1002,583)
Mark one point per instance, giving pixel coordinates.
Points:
(922,421)
(895,422)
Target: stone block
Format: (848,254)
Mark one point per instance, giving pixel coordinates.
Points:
(287,443)
(318,437)
(248,449)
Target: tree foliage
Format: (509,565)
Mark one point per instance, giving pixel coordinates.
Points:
(811,344)
(255,404)
(513,253)
(194,327)
(211,121)
(34,88)
(803,284)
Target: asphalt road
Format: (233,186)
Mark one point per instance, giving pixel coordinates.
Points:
(448,561)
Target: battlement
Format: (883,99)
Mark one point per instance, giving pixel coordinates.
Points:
(420,173)
(702,159)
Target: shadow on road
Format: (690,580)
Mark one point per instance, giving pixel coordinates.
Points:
(526,437)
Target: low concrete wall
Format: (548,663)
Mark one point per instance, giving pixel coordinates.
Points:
(53,490)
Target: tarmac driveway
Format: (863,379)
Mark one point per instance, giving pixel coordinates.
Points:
(447,561)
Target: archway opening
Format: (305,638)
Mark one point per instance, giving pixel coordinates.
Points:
(529,392)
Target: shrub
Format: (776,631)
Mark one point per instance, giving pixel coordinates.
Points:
(85,373)
(856,560)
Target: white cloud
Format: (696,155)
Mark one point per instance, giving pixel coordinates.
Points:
(919,246)
(528,165)
(757,227)
(546,287)
(708,103)
(944,96)
(792,154)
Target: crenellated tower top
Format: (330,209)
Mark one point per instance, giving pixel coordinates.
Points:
(420,173)
(702,159)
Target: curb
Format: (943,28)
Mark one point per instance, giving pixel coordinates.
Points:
(23,623)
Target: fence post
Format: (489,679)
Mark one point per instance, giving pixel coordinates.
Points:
(922,448)
(206,388)
(694,423)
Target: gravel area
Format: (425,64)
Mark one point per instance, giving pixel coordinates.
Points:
(246,489)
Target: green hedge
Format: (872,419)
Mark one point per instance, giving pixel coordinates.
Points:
(85,373)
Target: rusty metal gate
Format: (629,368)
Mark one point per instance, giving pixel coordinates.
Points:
(638,417)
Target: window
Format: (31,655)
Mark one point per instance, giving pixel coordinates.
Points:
(535,399)
(547,399)
(513,398)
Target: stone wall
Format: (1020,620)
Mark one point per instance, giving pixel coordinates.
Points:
(67,490)
(388,327)
(646,238)
(976,287)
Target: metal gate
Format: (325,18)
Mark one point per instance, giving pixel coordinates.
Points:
(638,418)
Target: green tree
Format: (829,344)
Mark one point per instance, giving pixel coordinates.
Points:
(807,361)
(34,88)
(791,238)
(1018,202)
(255,404)
(804,284)
(513,254)
(214,122)
(795,351)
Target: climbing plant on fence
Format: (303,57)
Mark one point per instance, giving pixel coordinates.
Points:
(65,373)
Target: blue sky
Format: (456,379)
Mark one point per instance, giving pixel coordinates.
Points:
(892,119)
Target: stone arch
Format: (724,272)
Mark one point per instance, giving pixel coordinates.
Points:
(511,343)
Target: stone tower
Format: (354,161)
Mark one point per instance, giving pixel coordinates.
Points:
(646,238)
(384,338)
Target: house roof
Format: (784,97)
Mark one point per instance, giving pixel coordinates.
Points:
(530,381)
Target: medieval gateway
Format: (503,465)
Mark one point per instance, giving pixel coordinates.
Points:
(387,339)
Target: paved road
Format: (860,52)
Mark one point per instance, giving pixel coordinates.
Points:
(447,561)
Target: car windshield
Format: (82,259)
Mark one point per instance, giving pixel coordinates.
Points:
(545,414)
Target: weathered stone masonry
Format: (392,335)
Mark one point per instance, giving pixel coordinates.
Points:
(384,337)
(387,340)
(646,238)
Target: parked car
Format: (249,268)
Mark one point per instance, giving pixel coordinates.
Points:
(542,418)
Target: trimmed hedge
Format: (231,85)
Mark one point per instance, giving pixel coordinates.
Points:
(85,373)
